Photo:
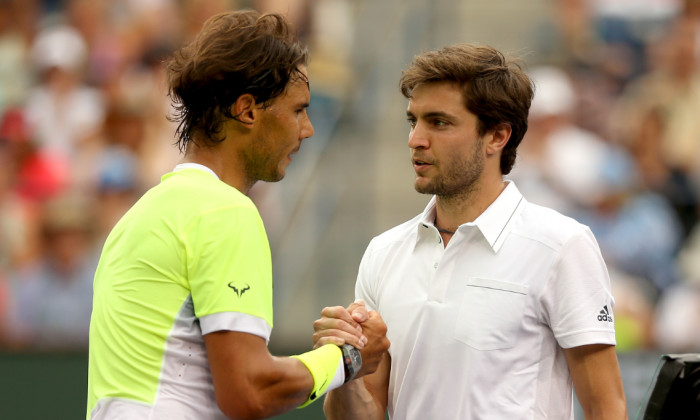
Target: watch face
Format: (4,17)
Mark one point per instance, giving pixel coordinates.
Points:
(352,360)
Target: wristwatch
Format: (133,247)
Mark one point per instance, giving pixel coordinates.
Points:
(352,359)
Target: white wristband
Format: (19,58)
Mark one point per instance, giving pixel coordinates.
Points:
(339,377)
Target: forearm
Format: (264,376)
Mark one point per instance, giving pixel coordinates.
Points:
(284,386)
(365,397)
(250,383)
(608,404)
(280,385)
(612,410)
(597,381)
(291,382)
(352,401)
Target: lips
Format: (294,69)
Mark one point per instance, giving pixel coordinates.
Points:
(420,166)
(294,152)
(420,162)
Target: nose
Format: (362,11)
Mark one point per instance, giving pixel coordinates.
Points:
(417,137)
(307,129)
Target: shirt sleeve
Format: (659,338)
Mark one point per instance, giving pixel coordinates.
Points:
(229,266)
(578,303)
(366,280)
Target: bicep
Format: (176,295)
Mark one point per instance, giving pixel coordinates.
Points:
(234,359)
(596,377)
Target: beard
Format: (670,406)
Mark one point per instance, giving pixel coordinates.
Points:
(266,172)
(262,163)
(459,176)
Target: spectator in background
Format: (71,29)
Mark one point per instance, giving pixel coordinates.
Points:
(575,40)
(555,144)
(51,297)
(62,111)
(568,35)
(13,218)
(117,189)
(628,26)
(136,118)
(19,186)
(657,121)
(15,71)
(678,311)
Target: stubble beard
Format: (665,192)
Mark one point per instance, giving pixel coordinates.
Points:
(259,167)
(271,174)
(460,180)
(263,162)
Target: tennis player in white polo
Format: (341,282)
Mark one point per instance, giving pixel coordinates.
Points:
(496,308)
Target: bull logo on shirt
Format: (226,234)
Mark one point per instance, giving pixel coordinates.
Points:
(239,288)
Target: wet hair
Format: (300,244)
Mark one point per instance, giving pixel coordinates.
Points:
(495,88)
(235,53)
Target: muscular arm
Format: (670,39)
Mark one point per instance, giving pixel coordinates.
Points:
(361,399)
(249,382)
(364,398)
(596,377)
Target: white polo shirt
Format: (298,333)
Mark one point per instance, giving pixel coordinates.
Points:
(478,328)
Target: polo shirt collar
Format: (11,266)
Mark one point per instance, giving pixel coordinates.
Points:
(192,165)
(495,222)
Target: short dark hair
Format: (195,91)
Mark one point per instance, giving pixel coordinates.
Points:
(495,88)
(235,53)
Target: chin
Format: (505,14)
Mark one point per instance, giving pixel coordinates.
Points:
(276,176)
(422,187)
(424,190)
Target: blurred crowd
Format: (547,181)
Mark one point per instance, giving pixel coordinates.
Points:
(83,133)
(614,141)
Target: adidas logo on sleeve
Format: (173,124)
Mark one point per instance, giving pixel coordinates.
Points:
(604,315)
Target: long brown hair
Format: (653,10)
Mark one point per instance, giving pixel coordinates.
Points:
(235,53)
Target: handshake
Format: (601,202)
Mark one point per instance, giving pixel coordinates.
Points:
(357,326)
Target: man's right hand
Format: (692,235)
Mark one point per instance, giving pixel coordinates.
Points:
(377,345)
(367,397)
(357,326)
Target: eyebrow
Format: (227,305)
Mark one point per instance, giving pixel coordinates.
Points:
(432,114)
(303,77)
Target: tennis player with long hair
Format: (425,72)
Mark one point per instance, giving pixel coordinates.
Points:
(182,307)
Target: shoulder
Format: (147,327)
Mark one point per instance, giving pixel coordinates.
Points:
(188,199)
(200,189)
(548,226)
(396,235)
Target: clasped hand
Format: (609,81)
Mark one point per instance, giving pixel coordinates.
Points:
(357,326)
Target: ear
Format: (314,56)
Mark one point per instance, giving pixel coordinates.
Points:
(244,108)
(498,138)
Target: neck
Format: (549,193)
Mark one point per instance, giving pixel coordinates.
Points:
(219,160)
(453,211)
(445,231)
